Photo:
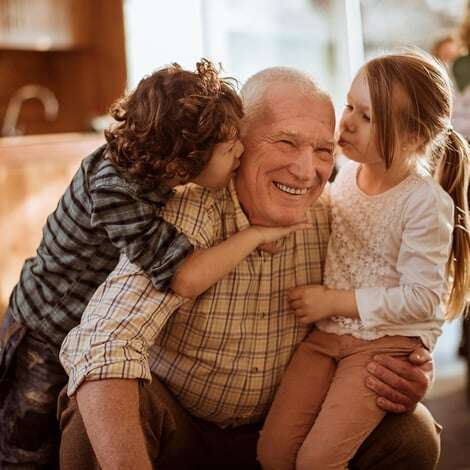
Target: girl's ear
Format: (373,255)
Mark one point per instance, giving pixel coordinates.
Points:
(414,143)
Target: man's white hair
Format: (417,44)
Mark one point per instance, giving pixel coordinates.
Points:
(254,89)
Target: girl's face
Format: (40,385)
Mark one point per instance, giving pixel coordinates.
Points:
(357,137)
(221,166)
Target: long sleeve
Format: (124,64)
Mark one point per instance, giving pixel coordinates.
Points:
(127,312)
(117,329)
(421,265)
(133,224)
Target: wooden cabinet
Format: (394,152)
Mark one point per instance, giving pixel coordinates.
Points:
(45,24)
(74,48)
(34,172)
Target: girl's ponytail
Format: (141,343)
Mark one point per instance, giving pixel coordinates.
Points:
(452,173)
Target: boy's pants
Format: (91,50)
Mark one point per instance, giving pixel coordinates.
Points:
(31,378)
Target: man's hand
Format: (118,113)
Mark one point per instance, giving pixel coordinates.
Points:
(400,383)
(311,303)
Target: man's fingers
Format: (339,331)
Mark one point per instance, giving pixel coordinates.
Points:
(391,407)
(420,357)
(414,389)
(389,395)
(400,367)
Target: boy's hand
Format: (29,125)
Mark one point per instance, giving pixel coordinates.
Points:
(311,303)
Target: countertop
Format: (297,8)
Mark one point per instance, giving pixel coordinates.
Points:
(48,147)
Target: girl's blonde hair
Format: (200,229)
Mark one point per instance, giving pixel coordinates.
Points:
(424,118)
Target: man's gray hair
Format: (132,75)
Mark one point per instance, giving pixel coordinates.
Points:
(254,89)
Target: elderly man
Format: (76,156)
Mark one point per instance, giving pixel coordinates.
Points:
(214,362)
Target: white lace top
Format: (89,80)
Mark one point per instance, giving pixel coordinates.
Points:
(392,249)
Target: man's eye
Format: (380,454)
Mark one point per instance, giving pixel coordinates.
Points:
(348,107)
(286,142)
(325,154)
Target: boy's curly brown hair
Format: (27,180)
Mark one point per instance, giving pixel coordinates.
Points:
(169,125)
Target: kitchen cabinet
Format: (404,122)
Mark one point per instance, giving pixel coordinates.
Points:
(45,24)
(73,48)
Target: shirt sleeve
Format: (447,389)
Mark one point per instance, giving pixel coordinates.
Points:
(135,227)
(119,325)
(421,264)
(196,212)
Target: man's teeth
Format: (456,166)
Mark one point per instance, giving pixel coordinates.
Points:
(290,190)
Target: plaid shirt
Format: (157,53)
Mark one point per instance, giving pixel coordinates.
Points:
(99,216)
(222,354)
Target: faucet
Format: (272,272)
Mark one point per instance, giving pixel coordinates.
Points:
(27,92)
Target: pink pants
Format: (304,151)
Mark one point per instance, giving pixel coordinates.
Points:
(323,411)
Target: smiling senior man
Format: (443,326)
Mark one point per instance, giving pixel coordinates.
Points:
(157,380)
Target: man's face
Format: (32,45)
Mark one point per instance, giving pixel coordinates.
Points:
(288,157)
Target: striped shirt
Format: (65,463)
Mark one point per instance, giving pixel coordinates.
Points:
(100,215)
(221,354)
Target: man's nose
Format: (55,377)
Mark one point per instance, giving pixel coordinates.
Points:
(303,167)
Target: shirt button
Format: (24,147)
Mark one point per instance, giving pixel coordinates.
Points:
(255,369)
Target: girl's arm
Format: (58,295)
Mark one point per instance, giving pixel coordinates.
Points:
(205,267)
(421,265)
(315,302)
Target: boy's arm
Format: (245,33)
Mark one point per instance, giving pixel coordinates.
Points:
(207,266)
(135,227)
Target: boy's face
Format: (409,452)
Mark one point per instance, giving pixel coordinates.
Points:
(221,166)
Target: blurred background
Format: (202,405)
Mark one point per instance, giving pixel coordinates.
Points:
(63,62)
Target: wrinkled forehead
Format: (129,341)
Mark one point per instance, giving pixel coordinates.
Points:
(312,114)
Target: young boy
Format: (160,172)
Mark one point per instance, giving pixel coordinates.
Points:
(177,126)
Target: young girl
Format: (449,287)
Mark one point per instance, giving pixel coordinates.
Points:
(398,257)
(177,126)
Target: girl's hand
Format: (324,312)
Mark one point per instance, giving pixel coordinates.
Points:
(311,303)
(272,234)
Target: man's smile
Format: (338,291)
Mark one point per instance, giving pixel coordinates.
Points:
(290,189)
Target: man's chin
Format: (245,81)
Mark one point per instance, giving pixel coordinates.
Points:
(296,217)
